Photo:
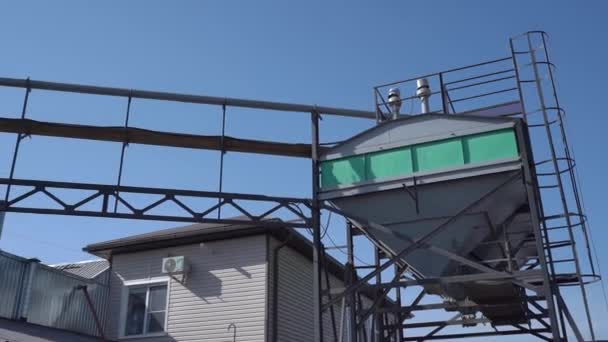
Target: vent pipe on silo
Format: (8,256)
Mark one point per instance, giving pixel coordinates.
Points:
(394,101)
(423,91)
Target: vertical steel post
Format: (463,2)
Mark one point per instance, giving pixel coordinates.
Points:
(377,320)
(316,229)
(122,153)
(352,298)
(222,153)
(93,311)
(20,137)
(328,289)
(400,317)
(444,97)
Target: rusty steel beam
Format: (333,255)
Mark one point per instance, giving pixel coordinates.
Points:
(135,135)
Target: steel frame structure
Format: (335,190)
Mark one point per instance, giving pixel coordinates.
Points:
(548,314)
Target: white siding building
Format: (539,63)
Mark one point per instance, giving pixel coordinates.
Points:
(229,285)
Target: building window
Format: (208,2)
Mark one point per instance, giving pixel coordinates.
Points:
(146,309)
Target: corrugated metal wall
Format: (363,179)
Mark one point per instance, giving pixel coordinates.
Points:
(54,299)
(12,274)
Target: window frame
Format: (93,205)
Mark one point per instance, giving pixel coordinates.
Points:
(147,284)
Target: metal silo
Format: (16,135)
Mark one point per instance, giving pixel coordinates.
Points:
(412,173)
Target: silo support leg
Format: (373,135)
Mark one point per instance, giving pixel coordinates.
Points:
(569,318)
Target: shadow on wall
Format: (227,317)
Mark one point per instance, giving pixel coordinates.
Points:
(214,269)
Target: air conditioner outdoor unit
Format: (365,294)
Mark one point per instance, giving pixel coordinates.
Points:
(172,265)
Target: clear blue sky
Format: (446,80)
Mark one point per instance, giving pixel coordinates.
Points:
(313,52)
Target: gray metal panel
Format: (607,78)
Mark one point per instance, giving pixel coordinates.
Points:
(86,269)
(12,272)
(56,302)
(415,130)
(437,202)
(423,178)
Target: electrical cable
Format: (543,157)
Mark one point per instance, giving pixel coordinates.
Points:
(339,249)
(333,242)
(42,242)
(326,225)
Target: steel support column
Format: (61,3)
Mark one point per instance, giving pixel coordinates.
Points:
(529,183)
(316,230)
(352,276)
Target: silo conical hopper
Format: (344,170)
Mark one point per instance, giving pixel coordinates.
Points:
(414,173)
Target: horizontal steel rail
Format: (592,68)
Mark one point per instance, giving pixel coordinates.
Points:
(445,72)
(187,98)
(477,334)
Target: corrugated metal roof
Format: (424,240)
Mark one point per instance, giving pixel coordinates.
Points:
(176,236)
(86,269)
(17,331)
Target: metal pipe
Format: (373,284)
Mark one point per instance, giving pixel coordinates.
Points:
(188,98)
(232,326)
(275,287)
(423,91)
(350,278)
(20,137)
(315,213)
(328,285)
(93,311)
(342,314)
(394,102)
(377,322)
(122,153)
(222,153)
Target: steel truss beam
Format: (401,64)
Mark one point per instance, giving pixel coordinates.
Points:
(95,199)
(109,193)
